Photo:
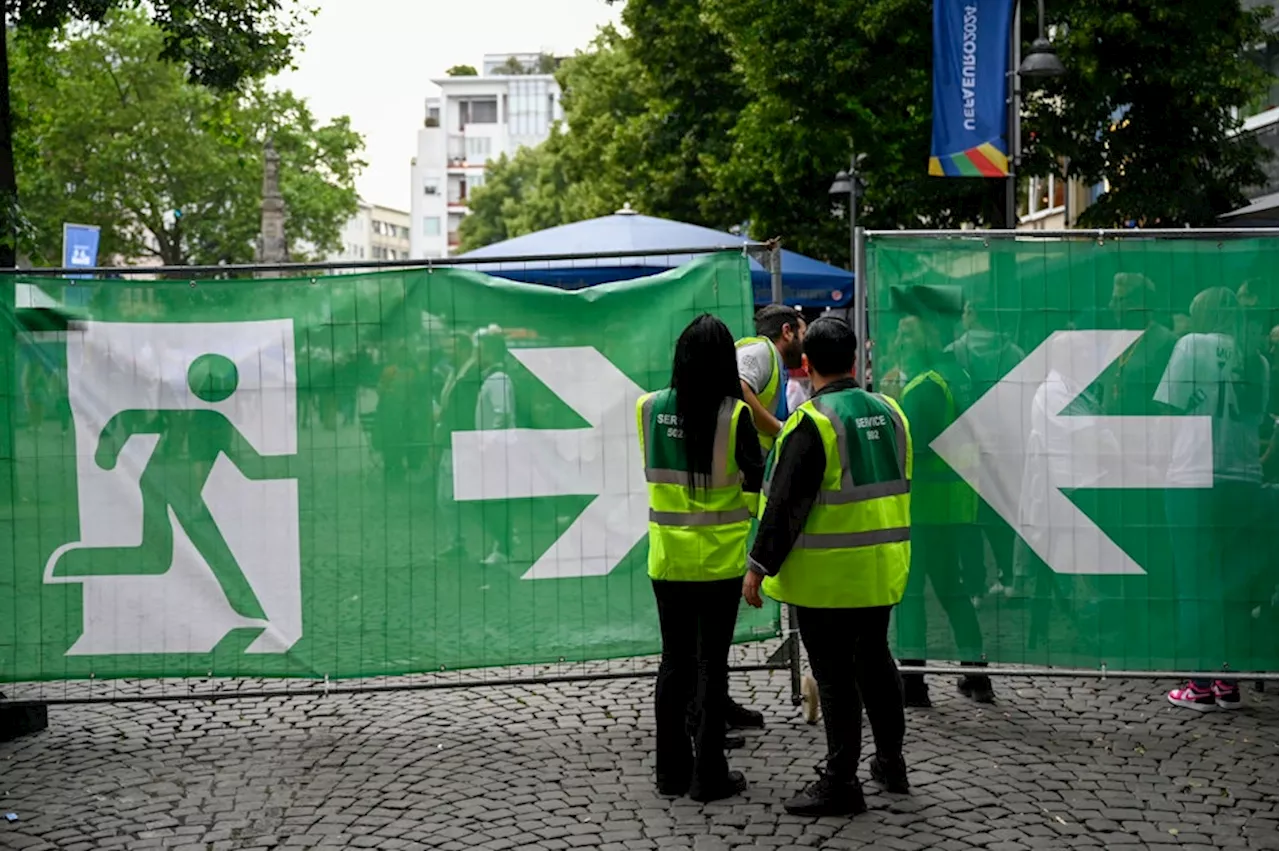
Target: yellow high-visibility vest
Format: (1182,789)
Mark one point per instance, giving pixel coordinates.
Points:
(854,550)
(694,535)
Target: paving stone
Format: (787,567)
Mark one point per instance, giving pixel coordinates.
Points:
(551,767)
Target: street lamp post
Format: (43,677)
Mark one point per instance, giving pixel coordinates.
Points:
(848,187)
(1040,63)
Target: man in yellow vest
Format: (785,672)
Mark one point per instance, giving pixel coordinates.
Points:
(763,361)
(834,541)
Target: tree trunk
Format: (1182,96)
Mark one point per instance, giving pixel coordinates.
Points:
(8,176)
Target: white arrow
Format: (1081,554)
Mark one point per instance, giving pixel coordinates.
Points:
(601,461)
(1026,450)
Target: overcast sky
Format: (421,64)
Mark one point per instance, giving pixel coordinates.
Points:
(373,60)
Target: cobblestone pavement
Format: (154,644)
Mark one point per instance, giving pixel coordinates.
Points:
(1055,764)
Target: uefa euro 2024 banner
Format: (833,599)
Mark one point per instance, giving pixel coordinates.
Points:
(1095,447)
(971,42)
(343,476)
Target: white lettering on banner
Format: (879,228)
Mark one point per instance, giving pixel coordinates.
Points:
(969,67)
(602,461)
(1031,452)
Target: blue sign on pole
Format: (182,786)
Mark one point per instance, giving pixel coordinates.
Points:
(80,245)
(971,41)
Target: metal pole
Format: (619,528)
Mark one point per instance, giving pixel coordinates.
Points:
(1015,120)
(775,272)
(860,300)
(478,264)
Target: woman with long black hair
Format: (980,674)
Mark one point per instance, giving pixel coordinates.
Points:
(704,470)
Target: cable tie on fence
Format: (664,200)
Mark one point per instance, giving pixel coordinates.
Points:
(326,685)
(1104,670)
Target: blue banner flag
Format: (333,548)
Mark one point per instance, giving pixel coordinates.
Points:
(970,88)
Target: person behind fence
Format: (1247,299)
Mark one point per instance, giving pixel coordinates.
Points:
(1224,537)
(703,468)
(986,354)
(943,511)
(834,541)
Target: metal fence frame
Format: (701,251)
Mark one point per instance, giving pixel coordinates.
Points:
(768,254)
(787,657)
(1100,235)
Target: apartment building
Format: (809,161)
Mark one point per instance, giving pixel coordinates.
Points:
(375,233)
(512,103)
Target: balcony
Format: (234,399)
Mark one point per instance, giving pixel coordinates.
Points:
(457,150)
(454,239)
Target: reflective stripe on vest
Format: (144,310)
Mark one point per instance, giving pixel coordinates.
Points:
(694,534)
(854,549)
(769,395)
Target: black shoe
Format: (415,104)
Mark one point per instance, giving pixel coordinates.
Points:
(734,741)
(827,796)
(915,692)
(673,788)
(891,774)
(734,783)
(977,687)
(742,718)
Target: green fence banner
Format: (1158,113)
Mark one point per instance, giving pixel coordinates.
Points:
(343,476)
(1095,437)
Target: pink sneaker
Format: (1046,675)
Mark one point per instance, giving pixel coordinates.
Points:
(1193,697)
(1227,695)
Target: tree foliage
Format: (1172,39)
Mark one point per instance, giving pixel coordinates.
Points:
(1147,103)
(111,134)
(217,43)
(719,111)
(462,71)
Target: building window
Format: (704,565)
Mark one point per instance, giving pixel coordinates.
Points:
(478,111)
(431,226)
(478,148)
(475,181)
(431,186)
(1042,195)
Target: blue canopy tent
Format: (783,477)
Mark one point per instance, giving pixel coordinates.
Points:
(805,281)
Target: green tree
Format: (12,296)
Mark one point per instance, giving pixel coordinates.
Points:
(1148,102)
(114,135)
(462,71)
(852,75)
(219,44)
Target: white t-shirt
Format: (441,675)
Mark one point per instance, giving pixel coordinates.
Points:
(755,365)
(797,392)
(496,405)
(1202,379)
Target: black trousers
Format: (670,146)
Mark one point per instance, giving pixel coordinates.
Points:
(696,619)
(849,653)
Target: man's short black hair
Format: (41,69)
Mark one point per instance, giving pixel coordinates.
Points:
(831,346)
(771,318)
